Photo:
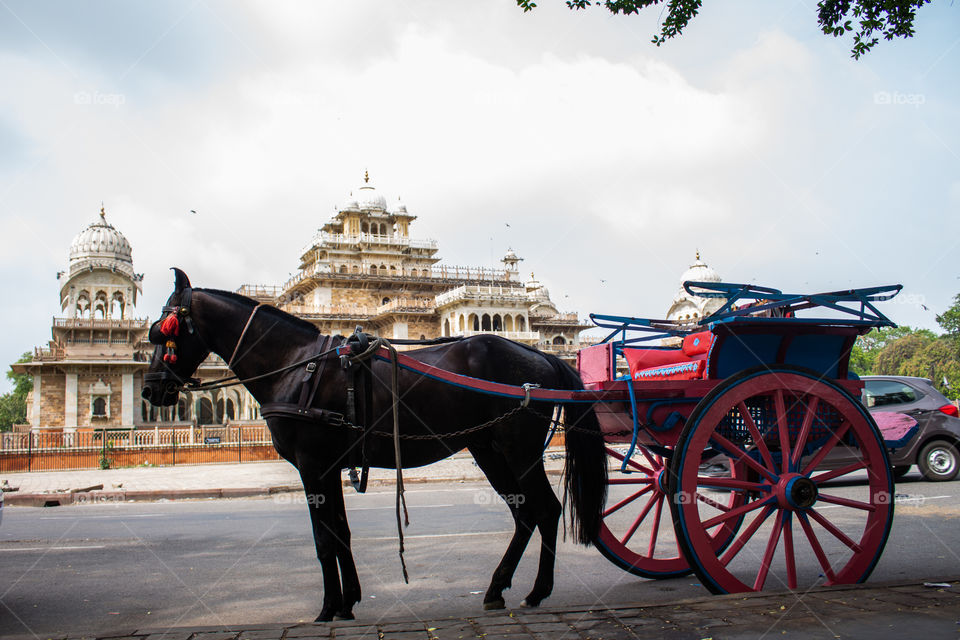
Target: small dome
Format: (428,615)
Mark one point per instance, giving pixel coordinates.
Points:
(699,272)
(350,204)
(101,240)
(511,256)
(369,200)
(399,207)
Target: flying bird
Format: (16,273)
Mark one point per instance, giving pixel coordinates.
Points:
(193,210)
(507,223)
(925,307)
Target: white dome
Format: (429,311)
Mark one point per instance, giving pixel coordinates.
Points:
(368,199)
(101,240)
(399,207)
(350,204)
(699,272)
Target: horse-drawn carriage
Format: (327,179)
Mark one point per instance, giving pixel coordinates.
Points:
(733,428)
(725,431)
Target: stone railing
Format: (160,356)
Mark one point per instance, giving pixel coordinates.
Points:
(99,323)
(484,293)
(417,305)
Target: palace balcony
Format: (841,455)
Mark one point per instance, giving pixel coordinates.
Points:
(481,293)
(99,323)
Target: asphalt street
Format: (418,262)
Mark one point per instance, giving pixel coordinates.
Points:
(111,568)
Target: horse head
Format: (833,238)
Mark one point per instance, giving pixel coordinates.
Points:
(179,347)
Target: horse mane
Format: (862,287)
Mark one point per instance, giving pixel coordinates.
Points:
(268,310)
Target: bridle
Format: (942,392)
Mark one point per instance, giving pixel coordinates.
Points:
(169,327)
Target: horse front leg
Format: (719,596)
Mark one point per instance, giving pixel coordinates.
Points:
(349,579)
(323,519)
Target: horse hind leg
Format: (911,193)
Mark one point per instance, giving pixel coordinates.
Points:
(546,510)
(495,467)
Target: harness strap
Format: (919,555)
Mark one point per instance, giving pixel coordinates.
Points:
(243,333)
(312,375)
(310,414)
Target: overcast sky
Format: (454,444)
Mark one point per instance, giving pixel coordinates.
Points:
(602,160)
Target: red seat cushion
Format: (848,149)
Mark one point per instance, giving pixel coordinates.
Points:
(697,343)
(690,370)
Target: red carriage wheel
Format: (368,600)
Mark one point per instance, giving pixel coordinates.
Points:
(636,533)
(782,423)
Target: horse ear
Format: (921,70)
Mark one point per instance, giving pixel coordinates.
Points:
(181,281)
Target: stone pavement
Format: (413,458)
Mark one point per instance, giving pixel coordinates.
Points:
(895,610)
(232,480)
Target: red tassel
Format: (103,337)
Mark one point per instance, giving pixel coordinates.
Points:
(170,326)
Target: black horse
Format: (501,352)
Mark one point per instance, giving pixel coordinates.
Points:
(260,340)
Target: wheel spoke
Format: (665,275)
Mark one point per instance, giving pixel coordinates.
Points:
(839,535)
(734,549)
(847,502)
(631,462)
(784,432)
(736,512)
(741,455)
(655,532)
(842,471)
(789,560)
(827,448)
(730,483)
(768,554)
(756,435)
(646,454)
(801,443)
(817,549)
(636,523)
(627,500)
(713,503)
(647,480)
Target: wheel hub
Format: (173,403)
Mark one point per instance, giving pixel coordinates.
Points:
(940,461)
(797,492)
(662,480)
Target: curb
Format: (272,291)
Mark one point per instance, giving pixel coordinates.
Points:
(64,498)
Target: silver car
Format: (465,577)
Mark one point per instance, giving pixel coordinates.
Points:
(934,447)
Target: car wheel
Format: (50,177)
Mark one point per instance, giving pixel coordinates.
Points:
(938,461)
(900,472)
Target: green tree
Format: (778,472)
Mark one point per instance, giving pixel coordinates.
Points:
(13,404)
(892,357)
(949,321)
(938,361)
(863,355)
(875,18)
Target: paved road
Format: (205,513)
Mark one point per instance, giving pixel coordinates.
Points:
(115,567)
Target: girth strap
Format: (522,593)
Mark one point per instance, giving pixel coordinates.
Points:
(311,414)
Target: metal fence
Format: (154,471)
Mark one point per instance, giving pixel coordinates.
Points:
(134,447)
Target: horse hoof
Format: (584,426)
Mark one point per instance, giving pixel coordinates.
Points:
(494,604)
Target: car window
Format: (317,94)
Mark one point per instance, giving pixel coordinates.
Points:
(879,393)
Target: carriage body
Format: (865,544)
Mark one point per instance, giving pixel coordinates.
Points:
(728,426)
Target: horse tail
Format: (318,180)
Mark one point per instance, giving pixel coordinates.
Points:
(585,472)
